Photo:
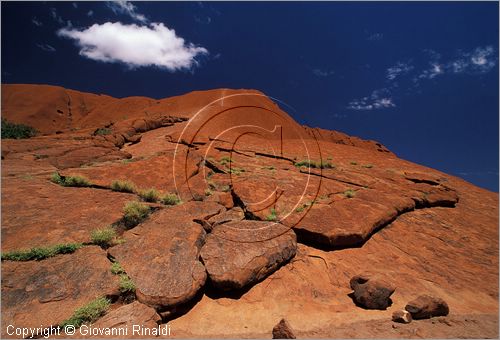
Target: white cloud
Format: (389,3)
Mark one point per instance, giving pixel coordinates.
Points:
(480,60)
(126,7)
(399,69)
(135,46)
(379,99)
(434,70)
(375,37)
(75,5)
(53,14)
(46,47)
(90,13)
(322,73)
(36,22)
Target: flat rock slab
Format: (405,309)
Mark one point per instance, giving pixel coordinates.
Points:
(123,319)
(37,212)
(348,222)
(235,264)
(47,292)
(161,256)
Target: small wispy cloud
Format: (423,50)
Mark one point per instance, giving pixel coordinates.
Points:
(379,99)
(55,16)
(46,47)
(203,19)
(322,73)
(375,37)
(75,5)
(90,13)
(399,69)
(135,46)
(36,22)
(127,8)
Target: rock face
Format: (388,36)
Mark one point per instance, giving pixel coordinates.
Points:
(161,257)
(283,330)
(401,316)
(426,306)
(371,292)
(352,205)
(47,292)
(233,264)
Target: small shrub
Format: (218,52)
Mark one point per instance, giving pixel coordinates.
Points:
(312,164)
(208,192)
(103,237)
(102,132)
(16,131)
(354,163)
(349,193)
(123,186)
(272,216)
(135,213)
(170,199)
(269,167)
(40,253)
(117,269)
(126,284)
(88,313)
(70,181)
(150,195)
(368,166)
(225,188)
(236,171)
(225,160)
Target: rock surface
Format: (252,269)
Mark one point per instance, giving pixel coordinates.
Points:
(233,264)
(428,231)
(426,306)
(47,292)
(371,292)
(401,316)
(283,330)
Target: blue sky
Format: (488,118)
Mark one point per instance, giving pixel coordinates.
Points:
(420,77)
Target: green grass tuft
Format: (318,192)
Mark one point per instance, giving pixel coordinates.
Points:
(103,237)
(208,192)
(225,160)
(134,213)
(150,195)
(117,269)
(313,164)
(354,163)
(17,131)
(170,199)
(123,186)
(126,284)
(70,181)
(88,313)
(349,193)
(102,132)
(40,253)
(272,216)
(236,171)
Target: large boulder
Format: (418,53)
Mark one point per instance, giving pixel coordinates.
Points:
(234,263)
(161,256)
(426,306)
(371,292)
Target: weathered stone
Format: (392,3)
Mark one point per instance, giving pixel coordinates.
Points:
(371,292)
(161,257)
(233,264)
(283,330)
(401,316)
(426,306)
(47,292)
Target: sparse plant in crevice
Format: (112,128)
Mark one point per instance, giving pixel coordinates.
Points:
(313,164)
(236,171)
(349,193)
(304,206)
(126,284)
(123,186)
(354,163)
(40,253)
(103,237)
(117,269)
(270,167)
(70,181)
(273,216)
(102,132)
(134,213)
(170,199)
(17,131)
(208,192)
(368,166)
(225,160)
(150,195)
(225,188)
(88,313)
